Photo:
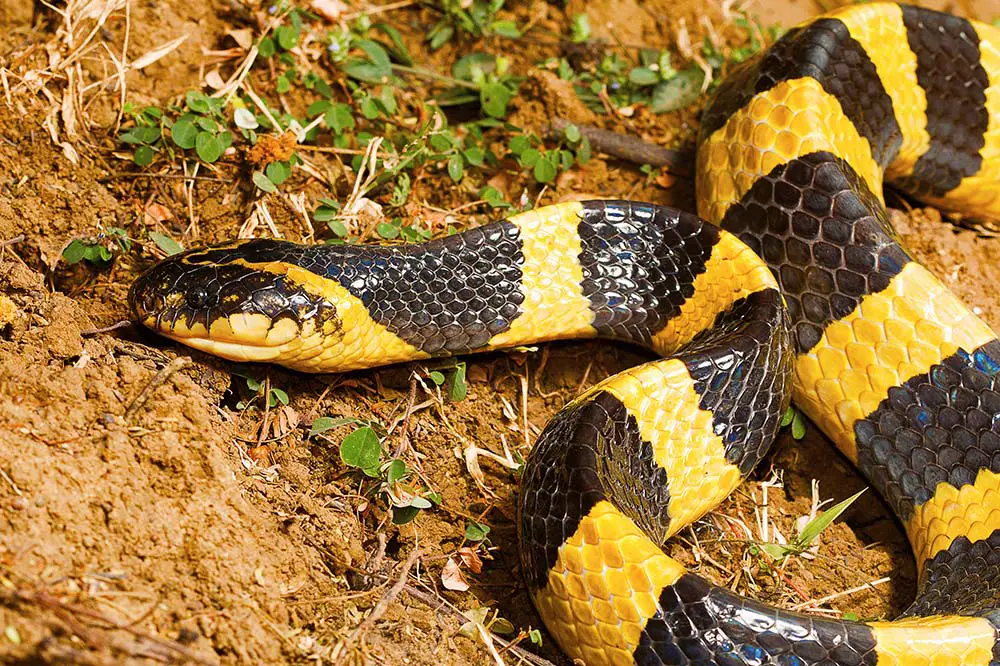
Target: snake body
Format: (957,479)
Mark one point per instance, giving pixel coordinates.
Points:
(799,289)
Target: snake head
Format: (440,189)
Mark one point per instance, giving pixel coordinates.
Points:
(244,301)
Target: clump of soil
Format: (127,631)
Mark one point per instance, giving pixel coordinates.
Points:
(145,518)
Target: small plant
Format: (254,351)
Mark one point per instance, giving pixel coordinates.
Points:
(362,449)
(100,250)
(794,418)
(476,18)
(275,396)
(455,380)
(201,127)
(810,531)
(546,164)
(483,78)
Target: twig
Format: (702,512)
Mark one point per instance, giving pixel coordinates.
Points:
(819,602)
(126,174)
(380,608)
(378,9)
(442,604)
(403,435)
(161,376)
(106,329)
(632,149)
(13,241)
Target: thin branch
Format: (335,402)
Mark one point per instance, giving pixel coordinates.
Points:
(632,149)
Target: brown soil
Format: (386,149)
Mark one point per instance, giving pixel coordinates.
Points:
(160,533)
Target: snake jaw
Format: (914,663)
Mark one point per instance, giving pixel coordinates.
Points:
(233,309)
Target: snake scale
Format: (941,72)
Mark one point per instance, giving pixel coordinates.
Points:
(799,289)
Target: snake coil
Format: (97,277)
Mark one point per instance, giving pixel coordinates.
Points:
(802,291)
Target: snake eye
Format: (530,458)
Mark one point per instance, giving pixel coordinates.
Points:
(196,297)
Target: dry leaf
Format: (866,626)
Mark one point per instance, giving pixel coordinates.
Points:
(665,180)
(214,80)
(329,9)
(243,38)
(452,578)
(160,51)
(156,213)
(471,559)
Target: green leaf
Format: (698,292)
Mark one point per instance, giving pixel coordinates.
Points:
(143,156)
(441,142)
(458,388)
(583,151)
(798,426)
(197,102)
(286,36)
(74,252)
(337,227)
(579,28)
(208,146)
(339,118)
(362,449)
(494,98)
(456,167)
(474,156)
(505,29)
(822,521)
(386,230)
(502,626)
(545,170)
(643,76)
(263,182)
(519,143)
(318,108)
(140,135)
(321,425)
(535,636)
(387,98)
(421,503)
(529,157)
(165,243)
(278,172)
(369,107)
(266,48)
(439,35)
(403,514)
(184,133)
(284,85)
(678,92)
(493,197)
(788,416)
(476,531)
(473,66)
(397,470)
(376,68)
(399,50)
(572,133)
(277,395)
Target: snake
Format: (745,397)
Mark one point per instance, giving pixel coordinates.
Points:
(790,285)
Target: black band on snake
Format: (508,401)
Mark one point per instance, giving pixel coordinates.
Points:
(801,292)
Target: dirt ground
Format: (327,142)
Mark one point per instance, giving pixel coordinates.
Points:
(141,520)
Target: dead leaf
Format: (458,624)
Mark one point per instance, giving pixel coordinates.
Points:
(148,58)
(329,9)
(156,213)
(214,80)
(452,578)
(471,559)
(243,38)
(665,180)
